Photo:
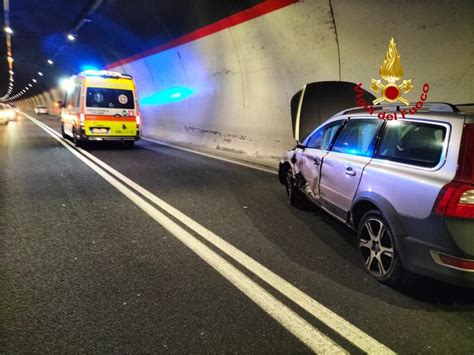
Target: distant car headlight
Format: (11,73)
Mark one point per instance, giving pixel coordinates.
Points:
(10,114)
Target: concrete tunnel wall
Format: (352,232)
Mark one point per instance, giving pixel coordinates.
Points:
(243,77)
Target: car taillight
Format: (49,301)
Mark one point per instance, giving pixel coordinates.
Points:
(456,199)
(466,156)
(138,120)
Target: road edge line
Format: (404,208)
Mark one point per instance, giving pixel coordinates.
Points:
(208,155)
(335,322)
(283,314)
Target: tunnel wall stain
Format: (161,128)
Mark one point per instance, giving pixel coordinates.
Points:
(242,77)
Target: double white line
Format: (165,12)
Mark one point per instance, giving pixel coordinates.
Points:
(295,324)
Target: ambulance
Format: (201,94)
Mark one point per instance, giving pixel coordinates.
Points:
(101,106)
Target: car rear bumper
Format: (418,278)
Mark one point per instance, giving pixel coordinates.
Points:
(417,257)
(85,137)
(426,240)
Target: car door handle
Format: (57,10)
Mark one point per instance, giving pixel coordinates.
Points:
(316,161)
(349,171)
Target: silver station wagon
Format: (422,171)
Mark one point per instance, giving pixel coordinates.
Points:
(405,186)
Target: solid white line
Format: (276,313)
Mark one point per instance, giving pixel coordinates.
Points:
(347,330)
(228,160)
(304,331)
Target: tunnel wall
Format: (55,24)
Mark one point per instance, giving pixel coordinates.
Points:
(240,79)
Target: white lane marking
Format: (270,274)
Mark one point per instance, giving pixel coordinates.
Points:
(228,160)
(296,325)
(344,328)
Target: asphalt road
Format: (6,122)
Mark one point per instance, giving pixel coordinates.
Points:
(86,269)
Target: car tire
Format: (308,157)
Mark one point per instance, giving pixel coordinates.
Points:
(65,136)
(377,247)
(295,196)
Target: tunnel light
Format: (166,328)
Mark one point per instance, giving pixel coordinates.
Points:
(11,72)
(8,30)
(11,79)
(40,73)
(10,59)
(34,80)
(50,62)
(71,37)
(30,85)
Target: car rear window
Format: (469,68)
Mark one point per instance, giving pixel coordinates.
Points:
(109,98)
(413,143)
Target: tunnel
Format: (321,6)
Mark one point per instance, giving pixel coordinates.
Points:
(274,144)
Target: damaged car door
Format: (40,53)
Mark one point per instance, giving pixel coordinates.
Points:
(310,156)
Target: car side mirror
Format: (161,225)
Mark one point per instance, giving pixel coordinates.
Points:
(300,146)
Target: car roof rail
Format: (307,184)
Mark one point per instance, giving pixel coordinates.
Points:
(467,108)
(441,107)
(427,107)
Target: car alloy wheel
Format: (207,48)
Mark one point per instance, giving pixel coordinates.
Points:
(377,247)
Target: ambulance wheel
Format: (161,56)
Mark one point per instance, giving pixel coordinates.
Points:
(76,139)
(129,144)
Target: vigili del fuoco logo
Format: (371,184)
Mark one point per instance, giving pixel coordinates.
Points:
(391,71)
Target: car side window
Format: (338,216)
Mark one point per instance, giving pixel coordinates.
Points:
(358,137)
(323,137)
(413,143)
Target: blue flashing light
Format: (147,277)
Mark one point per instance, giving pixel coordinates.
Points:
(91,72)
(89,67)
(167,96)
(176,95)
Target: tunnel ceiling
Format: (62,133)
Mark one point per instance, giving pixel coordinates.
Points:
(107,31)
